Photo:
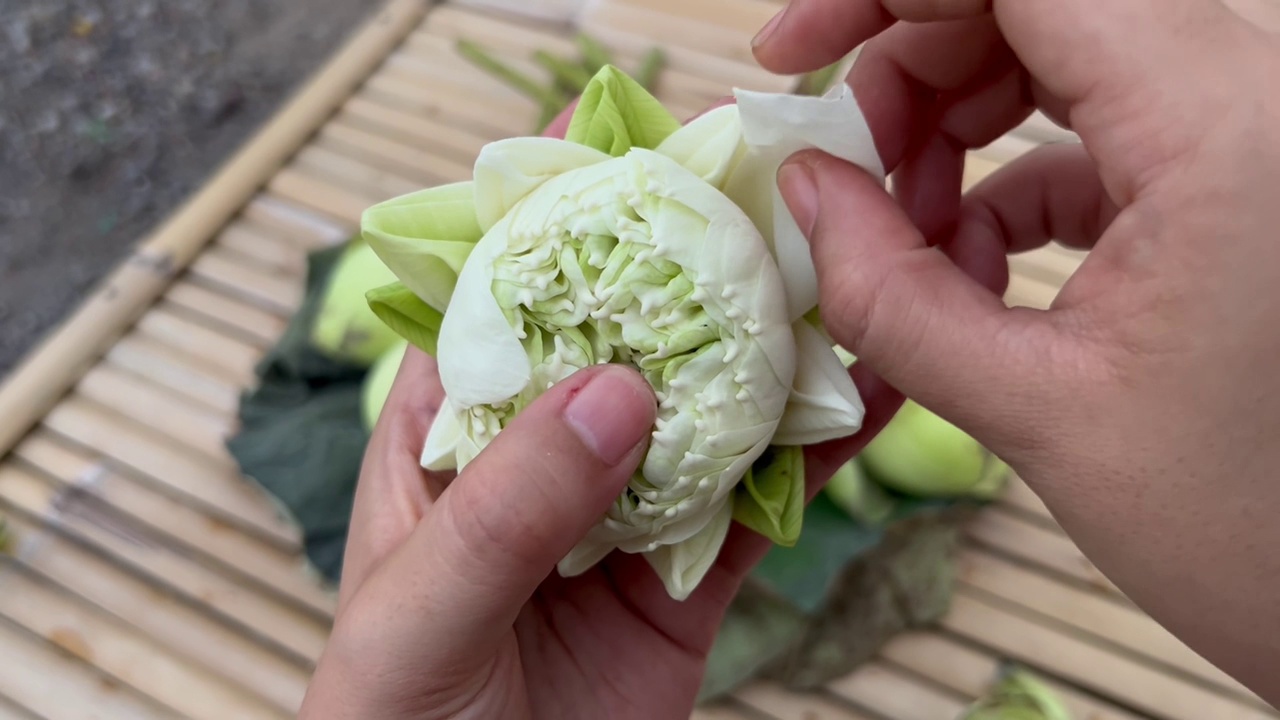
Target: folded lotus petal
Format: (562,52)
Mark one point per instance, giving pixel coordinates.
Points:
(508,170)
(824,402)
(710,146)
(683,565)
(775,126)
(425,238)
(440,453)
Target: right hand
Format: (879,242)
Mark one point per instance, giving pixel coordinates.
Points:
(1144,407)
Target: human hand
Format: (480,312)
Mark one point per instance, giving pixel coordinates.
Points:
(1144,407)
(449,605)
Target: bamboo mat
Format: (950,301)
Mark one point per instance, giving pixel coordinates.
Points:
(149,580)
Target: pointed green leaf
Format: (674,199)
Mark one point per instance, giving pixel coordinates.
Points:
(407,314)
(425,237)
(770,500)
(616,114)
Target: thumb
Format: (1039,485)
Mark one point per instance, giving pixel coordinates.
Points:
(499,529)
(909,313)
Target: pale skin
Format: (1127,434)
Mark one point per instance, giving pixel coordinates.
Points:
(1144,407)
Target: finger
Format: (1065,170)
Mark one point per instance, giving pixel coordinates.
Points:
(513,513)
(810,34)
(393,492)
(908,79)
(1051,193)
(905,309)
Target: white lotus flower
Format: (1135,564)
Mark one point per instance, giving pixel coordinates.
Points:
(637,241)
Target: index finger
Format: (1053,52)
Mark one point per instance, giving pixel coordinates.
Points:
(810,34)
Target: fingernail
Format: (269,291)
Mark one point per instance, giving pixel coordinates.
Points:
(611,414)
(768,29)
(800,191)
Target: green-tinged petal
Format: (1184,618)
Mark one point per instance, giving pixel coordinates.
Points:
(824,403)
(377,384)
(425,238)
(770,499)
(406,314)
(775,126)
(682,566)
(344,328)
(615,114)
(508,170)
(710,146)
(441,449)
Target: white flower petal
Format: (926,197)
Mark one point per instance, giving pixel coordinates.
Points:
(775,126)
(710,146)
(508,170)
(824,402)
(683,565)
(440,452)
(481,359)
(582,557)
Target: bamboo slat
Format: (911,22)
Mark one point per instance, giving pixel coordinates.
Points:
(768,697)
(127,657)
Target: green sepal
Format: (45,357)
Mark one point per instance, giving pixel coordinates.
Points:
(616,114)
(406,314)
(770,499)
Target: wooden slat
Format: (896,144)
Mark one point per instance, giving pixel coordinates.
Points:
(165,466)
(971,672)
(288,221)
(150,404)
(436,98)
(319,196)
(236,357)
(10,710)
(1018,495)
(228,315)
(416,131)
(124,296)
(266,247)
(181,627)
(1102,618)
(187,529)
(337,165)
(240,277)
(893,693)
(769,697)
(194,377)
(54,685)
(420,166)
(126,656)
(725,711)
(710,38)
(1128,681)
(142,552)
(1032,542)
(743,17)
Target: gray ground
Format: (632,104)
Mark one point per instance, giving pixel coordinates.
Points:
(112,111)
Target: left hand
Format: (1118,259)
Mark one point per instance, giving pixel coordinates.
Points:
(450,605)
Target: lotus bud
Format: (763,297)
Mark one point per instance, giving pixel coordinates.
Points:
(921,454)
(1018,696)
(345,328)
(377,384)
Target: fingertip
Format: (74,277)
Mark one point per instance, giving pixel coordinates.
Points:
(808,35)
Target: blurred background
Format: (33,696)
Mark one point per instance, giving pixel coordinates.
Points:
(112,111)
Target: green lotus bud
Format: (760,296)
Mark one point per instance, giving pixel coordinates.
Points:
(377,384)
(345,328)
(1018,696)
(921,454)
(853,491)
